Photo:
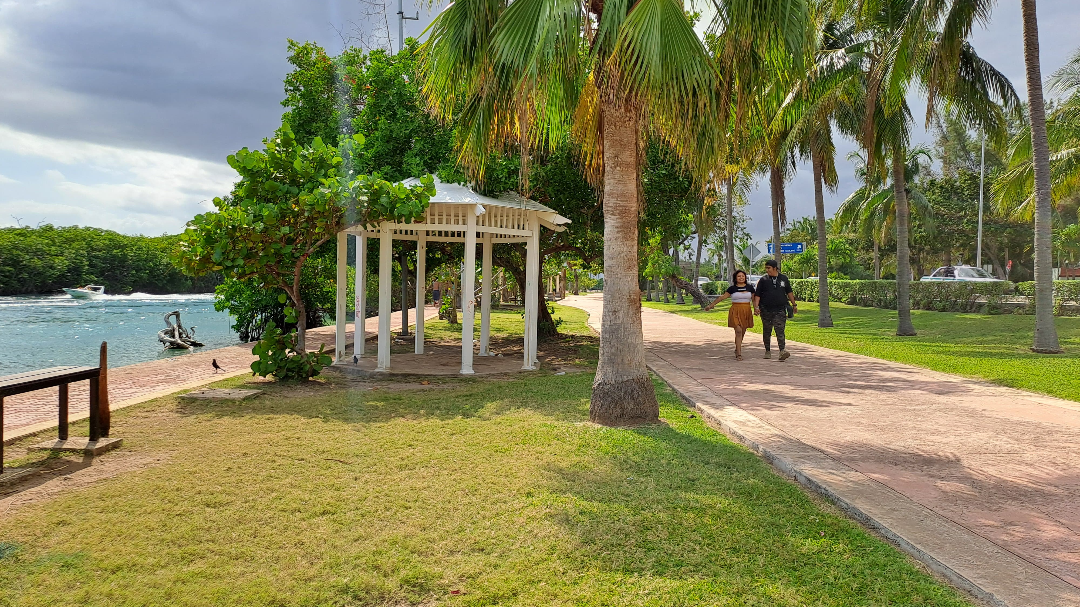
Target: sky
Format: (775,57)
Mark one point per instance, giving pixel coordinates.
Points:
(119,113)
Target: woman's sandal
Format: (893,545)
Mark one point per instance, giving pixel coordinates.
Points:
(738,357)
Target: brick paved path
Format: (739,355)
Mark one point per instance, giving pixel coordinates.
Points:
(32,411)
(998,463)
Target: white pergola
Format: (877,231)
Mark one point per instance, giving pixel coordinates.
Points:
(455,214)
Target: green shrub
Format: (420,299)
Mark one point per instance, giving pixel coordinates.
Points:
(278,357)
(929,295)
(715,287)
(1065,292)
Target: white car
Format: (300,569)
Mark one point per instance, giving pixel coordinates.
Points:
(960,274)
(703,280)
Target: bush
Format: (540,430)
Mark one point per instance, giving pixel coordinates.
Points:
(715,287)
(1065,291)
(278,357)
(928,295)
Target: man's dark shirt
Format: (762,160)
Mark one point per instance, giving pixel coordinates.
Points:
(773,292)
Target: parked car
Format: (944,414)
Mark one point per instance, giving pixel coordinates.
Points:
(703,280)
(753,278)
(961,273)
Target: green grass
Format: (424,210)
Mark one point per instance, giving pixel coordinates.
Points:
(468,492)
(990,347)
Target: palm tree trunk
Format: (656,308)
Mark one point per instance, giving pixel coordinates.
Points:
(1046,339)
(697,260)
(622,392)
(824,315)
(776,189)
(729,229)
(678,272)
(903,249)
(877,258)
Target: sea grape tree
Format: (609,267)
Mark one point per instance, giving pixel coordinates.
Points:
(290,200)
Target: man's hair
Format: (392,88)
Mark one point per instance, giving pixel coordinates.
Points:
(772,264)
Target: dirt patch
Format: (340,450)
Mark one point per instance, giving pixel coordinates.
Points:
(59,475)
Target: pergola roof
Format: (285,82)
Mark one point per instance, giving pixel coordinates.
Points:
(452,193)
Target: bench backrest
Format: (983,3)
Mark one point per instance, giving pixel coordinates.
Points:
(45,378)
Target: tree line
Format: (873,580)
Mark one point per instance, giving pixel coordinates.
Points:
(46,259)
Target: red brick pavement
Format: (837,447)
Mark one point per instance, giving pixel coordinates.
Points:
(1001,463)
(38,410)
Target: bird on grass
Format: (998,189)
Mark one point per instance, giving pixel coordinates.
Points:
(217,367)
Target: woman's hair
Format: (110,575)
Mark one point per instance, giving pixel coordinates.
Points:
(735,277)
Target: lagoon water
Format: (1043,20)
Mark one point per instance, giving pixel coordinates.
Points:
(56,330)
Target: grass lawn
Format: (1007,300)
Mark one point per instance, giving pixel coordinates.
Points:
(990,347)
(462,492)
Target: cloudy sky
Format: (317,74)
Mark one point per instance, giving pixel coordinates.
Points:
(120,113)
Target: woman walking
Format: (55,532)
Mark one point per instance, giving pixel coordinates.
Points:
(741,315)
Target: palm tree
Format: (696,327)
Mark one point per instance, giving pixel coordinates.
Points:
(1046,339)
(903,49)
(531,72)
(870,211)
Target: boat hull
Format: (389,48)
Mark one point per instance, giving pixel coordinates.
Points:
(83,294)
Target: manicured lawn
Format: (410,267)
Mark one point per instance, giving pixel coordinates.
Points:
(463,492)
(990,347)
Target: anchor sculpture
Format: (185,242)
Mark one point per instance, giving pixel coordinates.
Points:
(176,337)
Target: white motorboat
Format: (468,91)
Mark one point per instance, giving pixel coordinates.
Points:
(87,292)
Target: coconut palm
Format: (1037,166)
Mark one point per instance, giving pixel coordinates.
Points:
(531,72)
(911,44)
(870,211)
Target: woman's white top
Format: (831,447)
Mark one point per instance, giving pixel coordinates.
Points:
(741,294)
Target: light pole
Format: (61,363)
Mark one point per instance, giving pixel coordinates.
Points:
(982,176)
(401,24)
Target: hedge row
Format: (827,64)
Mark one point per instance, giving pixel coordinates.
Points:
(933,295)
(929,295)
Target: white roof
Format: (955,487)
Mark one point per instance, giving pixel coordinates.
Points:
(452,193)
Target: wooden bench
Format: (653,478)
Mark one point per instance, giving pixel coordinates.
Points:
(61,377)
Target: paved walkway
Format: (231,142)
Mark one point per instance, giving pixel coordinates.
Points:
(34,411)
(980,482)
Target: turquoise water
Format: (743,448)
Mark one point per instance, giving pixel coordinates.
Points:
(49,331)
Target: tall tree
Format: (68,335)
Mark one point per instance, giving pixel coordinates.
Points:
(910,43)
(529,72)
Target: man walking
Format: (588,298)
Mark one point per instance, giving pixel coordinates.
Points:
(771,298)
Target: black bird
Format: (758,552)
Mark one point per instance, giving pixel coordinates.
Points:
(355,360)
(216,366)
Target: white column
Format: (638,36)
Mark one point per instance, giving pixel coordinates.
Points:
(485,297)
(534,294)
(468,297)
(421,289)
(359,334)
(532,278)
(386,253)
(342,287)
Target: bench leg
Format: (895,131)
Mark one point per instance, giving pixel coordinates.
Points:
(1,434)
(62,423)
(95,432)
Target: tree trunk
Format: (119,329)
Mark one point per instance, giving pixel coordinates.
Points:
(1046,338)
(678,272)
(729,230)
(776,189)
(903,252)
(622,392)
(301,325)
(877,258)
(699,297)
(824,315)
(697,260)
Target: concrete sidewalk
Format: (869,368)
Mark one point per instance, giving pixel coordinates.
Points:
(980,482)
(132,384)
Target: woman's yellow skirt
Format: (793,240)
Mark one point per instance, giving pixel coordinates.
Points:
(740,315)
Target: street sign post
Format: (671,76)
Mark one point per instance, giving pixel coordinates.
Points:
(789,248)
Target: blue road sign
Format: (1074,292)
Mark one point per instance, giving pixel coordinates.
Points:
(789,248)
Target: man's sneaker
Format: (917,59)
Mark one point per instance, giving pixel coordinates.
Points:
(784,355)
(767,354)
